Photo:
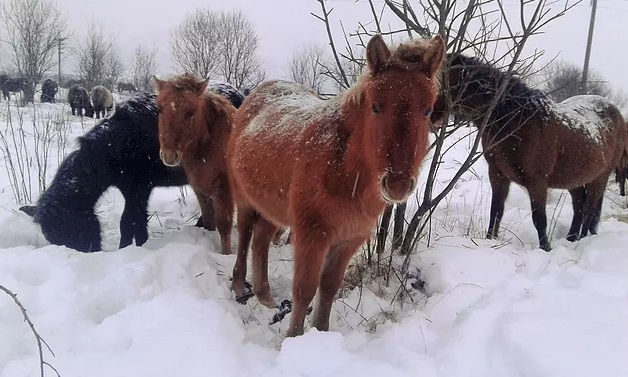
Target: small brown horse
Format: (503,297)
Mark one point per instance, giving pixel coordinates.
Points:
(194,129)
(538,144)
(328,168)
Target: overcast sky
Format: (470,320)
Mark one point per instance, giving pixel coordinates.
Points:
(284,25)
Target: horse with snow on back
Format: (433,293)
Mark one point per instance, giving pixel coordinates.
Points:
(327,168)
(537,143)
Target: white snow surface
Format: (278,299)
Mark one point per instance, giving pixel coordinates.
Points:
(490,308)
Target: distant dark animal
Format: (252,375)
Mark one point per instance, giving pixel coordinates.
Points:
(539,144)
(79,100)
(327,168)
(49,89)
(194,129)
(10,85)
(126,87)
(121,151)
(102,100)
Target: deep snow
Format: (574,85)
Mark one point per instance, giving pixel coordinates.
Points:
(492,308)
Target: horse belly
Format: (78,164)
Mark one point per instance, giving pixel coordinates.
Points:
(263,174)
(579,166)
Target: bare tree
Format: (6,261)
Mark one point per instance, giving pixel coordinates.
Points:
(564,80)
(306,67)
(94,55)
(33,29)
(143,68)
(194,44)
(239,63)
(113,69)
(211,44)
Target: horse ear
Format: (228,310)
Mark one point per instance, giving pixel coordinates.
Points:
(377,54)
(201,86)
(158,83)
(434,56)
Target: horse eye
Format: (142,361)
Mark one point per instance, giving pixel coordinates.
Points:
(428,112)
(375,109)
(189,114)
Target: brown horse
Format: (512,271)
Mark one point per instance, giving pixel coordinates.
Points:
(194,129)
(327,168)
(538,144)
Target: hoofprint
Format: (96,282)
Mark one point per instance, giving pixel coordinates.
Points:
(492,307)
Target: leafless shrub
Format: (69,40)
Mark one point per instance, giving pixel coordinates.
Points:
(33,29)
(95,53)
(306,67)
(113,69)
(26,146)
(143,68)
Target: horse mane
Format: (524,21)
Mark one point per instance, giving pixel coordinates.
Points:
(184,81)
(406,55)
(518,98)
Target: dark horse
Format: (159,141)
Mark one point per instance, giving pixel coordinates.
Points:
(49,89)
(327,168)
(120,151)
(10,85)
(538,144)
(79,100)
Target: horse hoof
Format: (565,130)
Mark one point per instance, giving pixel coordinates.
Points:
(243,291)
(572,238)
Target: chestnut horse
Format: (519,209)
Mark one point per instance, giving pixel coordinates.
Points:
(194,129)
(327,168)
(539,144)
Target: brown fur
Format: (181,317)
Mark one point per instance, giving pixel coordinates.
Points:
(528,141)
(327,169)
(621,171)
(194,128)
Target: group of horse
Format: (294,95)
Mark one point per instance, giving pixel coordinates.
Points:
(282,157)
(96,103)
(8,85)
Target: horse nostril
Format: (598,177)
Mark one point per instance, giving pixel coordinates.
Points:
(177,156)
(385,182)
(412,184)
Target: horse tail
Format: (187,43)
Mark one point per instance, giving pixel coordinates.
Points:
(29,210)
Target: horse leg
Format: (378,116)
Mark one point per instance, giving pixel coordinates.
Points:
(246,219)
(538,202)
(207,211)
(593,204)
(134,221)
(223,205)
(500,186)
(263,234)
(310,248)
(596,216)
(331,278)
(578,196)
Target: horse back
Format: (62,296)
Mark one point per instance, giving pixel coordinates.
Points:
(280,132)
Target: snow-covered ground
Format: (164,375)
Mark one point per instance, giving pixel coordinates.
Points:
(491,308)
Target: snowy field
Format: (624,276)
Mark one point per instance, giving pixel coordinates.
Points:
(491,308)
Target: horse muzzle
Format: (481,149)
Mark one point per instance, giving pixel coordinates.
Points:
(396,189)
(170,158)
